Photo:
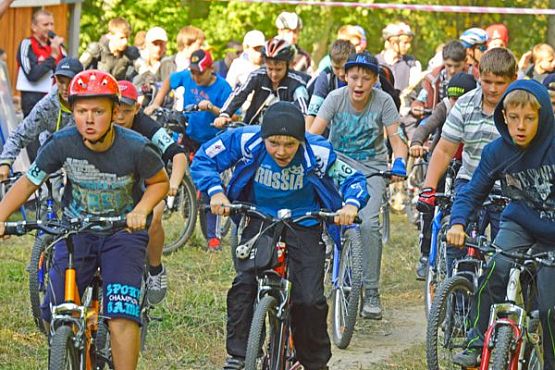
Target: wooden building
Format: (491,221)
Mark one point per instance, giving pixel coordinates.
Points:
(15,25)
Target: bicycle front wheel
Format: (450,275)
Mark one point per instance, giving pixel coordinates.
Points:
(267,337)
(346,294)
(448,322)
(503,348)
(180,217)
(438,273)
(39,266)
(63,353)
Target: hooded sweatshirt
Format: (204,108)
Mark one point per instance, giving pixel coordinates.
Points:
(527,175)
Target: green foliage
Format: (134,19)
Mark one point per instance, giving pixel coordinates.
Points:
(225,21)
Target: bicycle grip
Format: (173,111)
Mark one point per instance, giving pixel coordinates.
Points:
(14,228)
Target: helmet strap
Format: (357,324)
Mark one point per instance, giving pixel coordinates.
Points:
(101,139)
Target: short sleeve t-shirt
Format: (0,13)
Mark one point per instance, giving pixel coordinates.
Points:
(359,135)
(108,183)
(468,124)
(278,188)
(199,128)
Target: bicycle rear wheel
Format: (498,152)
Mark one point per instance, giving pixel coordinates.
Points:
(267,338)
(39,266)
(346,294)
(102,346)
(179,218)
(63,353)
(448,322)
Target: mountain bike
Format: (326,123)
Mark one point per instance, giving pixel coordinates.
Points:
(448,318)
(437,259)
(270,344)
(180,211)
(78,336)
(514,338)
(42,252)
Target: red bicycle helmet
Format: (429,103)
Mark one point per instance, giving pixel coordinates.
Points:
(279,49)
(93,83)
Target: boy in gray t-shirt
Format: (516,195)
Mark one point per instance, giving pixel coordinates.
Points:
(357,115)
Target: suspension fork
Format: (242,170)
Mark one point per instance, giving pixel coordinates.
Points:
(490,336)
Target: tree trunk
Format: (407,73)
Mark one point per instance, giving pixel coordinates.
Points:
(551,25)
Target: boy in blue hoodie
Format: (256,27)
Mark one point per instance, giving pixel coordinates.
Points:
(523,158)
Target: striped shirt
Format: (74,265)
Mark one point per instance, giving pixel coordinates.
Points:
(468,124)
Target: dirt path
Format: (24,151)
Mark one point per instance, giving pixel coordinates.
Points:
(376,341)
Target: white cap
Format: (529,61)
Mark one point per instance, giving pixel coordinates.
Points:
(253,39)
(156,33)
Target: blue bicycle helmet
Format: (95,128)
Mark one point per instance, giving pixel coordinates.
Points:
(473,36)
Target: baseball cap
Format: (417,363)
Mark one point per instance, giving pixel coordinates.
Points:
(254,38)
(128,91)
(365,60)
(68,67)
(156,33)
(498,31)
(200,60)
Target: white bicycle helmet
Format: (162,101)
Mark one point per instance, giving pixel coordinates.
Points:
(473,36)
(290,21)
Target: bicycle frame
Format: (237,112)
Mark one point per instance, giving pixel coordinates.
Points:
(337,248)
(510,313)
(82,315)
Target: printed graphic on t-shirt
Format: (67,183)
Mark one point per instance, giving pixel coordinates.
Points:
(355,135)
(97,193)
(536,187)
(290,178)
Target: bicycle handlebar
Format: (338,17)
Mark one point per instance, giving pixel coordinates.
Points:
(55,227)
(385,174)
(481,243)
(249,209)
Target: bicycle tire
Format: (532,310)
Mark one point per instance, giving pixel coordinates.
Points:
(179,221)
(502,352)
(438,273)
(39,266)
(265,330)
(63,353)
(346,295)
(102,346)
(448,319)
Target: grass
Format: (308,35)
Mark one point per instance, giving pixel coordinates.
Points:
(191,334)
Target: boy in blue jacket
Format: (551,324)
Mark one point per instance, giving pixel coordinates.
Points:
(278,166)
(523,158)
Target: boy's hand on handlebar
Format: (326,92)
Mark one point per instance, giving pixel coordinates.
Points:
(150,109)
(205,105)
(136,220)
(218,203)
(346,215)
(220,122)
(456,236)
(398,170)
(418,151)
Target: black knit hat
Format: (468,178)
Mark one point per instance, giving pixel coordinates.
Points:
(460,84)
(283,118)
